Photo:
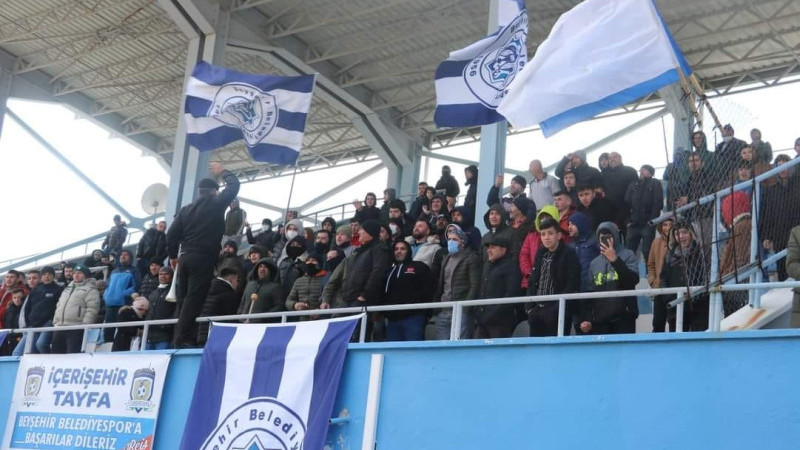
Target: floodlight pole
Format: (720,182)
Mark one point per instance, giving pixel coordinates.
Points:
(493,143)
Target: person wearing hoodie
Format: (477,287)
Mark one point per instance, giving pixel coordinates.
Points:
(658,253)
(288,268)
(736,217)
(339,251)
(368,210)
(530,247)
(685,258)
(229,259)
(449,184)
(263,292)
(78,305)
(616,180)
(116,236)
(616,269)
(463,217)
(136,312)
(293,229)
(389,196)
(471,200)
(38,311)
(328,224)
(500,279)
(516,189)
(307,290)
(399,222)
(152,245)
(438,205)
(266,238)
(576,163)
(596,207)
(585,246)
(159,337)
(556,270)
(96,260)
(222,300)
(122,282)
(495,221)
(406,281)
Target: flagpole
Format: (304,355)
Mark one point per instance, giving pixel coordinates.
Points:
(705,101)
(687,91)
(291,188)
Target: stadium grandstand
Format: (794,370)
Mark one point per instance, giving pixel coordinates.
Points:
(676,213)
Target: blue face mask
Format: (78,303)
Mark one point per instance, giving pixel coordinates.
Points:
(452,246)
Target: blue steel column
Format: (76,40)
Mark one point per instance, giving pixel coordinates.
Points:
(492,158)
(189,166)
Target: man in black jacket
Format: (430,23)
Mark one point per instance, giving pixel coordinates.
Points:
(222,300)
(159,337)
(364,280)
(266,238)
(420,201)
(38,311)
(153,244)
(449,184)
(150,280)
(576,163)
(556,270)
(597,208)
(500,279)
(645,198)
(407,281)
(197,231)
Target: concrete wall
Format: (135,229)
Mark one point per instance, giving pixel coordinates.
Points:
(696,390)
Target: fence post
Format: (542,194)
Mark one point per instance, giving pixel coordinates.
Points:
(562,312)
(713,323)
(84,339)
(28,341)
(455,323)
(679,317)
(362,333)
(755,294)
(145,331)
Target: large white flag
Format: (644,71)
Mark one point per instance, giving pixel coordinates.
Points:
(600,55)
(267,386)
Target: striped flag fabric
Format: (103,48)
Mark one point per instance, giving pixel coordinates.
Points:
(600,55)
(473,80)
(269,112)
(270,386)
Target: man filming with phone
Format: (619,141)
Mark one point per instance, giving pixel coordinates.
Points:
(615,269)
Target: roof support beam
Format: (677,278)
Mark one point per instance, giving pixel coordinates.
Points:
(325,195)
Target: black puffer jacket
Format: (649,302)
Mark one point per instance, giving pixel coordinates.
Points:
(160,308)
(270,293)
(40,306)
(222,300)
(500,279)
(645,198)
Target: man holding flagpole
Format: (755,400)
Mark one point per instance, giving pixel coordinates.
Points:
(197,230)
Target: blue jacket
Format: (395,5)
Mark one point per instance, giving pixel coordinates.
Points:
(123,282)
(585,246)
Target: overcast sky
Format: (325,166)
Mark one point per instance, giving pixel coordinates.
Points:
(47,206)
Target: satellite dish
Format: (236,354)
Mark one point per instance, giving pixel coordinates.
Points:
(154,199)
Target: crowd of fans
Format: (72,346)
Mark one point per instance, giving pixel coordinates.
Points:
(579,229)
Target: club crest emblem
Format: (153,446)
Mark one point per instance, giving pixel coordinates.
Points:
(490,73)
(142,390)
(33,384)
(246,107)
(261,423)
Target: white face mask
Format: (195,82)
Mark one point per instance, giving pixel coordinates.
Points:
(291,234)
(393,227)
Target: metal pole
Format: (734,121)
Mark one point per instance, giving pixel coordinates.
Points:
(28,342)
(362,333)
(145,331)
(84,339)
(562,311)
(754,294)
(713,322)
(679,318)
(455,326)
(373,403)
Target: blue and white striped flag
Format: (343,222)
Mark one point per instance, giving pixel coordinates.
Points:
(267,386)
(473,80)
(268,112)
(600,55)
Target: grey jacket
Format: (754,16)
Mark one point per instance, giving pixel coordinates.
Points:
(466,281)
(79,304)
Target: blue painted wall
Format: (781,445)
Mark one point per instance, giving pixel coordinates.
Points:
(691,391)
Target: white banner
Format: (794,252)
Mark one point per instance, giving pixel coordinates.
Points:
(86,402)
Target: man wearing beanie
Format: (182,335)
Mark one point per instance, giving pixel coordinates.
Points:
(645,197)
(266,239)
(459,279)
(515,190)
(197,231)
(122,282)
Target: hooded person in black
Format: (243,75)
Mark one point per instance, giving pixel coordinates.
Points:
(367,210)
(448,183)
(464,217)
(266,238)
(263,292)
(584,173)
(686,257)
(470,201)
(407,281)
(495,221)
(197,231)
(288,269)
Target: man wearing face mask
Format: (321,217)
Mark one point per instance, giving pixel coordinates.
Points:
(290,265)
(307,290)
(292,230)
(728,150)
(459,279)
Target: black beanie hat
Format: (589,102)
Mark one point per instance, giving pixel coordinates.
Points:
(207,183)
(372,227)
(519,179)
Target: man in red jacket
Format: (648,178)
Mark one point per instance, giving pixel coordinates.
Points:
(14,280)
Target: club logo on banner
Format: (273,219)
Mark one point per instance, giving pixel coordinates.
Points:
(489,74)
(264,387)
(246,107)
(85,402)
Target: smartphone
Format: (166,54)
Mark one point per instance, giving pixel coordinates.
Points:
(605,240)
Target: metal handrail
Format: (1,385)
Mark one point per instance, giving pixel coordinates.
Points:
(456,306)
